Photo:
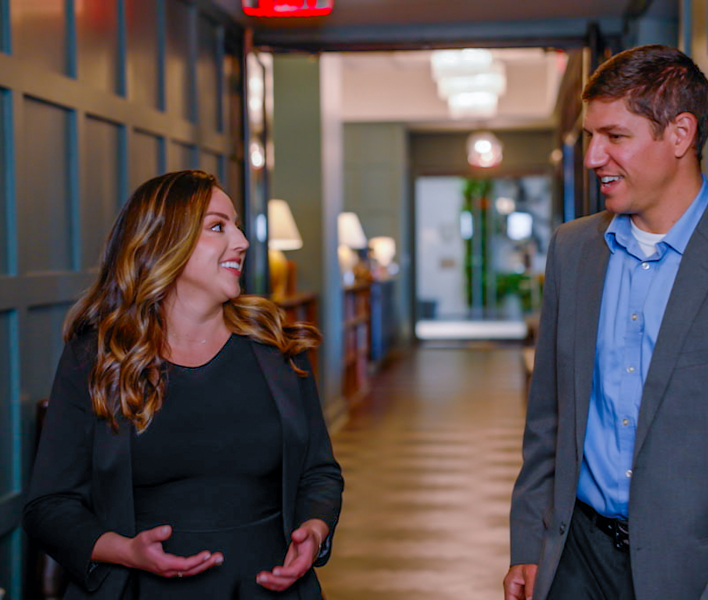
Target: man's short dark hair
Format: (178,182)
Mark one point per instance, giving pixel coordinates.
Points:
(657,82)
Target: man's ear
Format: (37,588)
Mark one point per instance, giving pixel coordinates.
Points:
(684,129)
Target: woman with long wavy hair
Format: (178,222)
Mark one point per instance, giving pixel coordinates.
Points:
(184,453)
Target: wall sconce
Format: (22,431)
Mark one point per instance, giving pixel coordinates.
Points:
(351,238)
(257,155)
(283,235)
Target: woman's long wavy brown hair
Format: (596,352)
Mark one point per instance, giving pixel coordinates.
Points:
(147,249)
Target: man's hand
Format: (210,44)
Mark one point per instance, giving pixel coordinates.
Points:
(519,582)
(304,547)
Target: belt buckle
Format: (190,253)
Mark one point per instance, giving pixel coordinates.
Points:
(622,535)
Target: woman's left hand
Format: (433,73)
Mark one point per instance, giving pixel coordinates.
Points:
(304,548)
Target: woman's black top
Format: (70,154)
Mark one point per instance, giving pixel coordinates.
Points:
(237,458)
(210,466)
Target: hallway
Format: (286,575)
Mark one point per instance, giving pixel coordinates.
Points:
(429,461)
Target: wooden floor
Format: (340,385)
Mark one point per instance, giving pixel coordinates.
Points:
(429,462)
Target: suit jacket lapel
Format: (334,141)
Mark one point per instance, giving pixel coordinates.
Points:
(687,295)
(590,282)
(284,387)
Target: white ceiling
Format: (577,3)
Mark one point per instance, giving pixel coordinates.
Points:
(398,87)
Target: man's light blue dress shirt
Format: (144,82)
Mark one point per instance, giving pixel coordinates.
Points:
(634,298)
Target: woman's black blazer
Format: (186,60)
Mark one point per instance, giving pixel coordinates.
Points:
(82,483)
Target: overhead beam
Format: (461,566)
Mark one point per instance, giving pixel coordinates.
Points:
(559,33)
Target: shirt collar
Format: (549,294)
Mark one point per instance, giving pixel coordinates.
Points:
(619,232)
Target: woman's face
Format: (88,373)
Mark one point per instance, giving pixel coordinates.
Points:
(211,275)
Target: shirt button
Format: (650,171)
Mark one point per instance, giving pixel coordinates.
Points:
(645,265)
(628,473)
(635,316)
(630,369)
(625,422)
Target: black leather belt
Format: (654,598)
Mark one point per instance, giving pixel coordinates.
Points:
(617,529)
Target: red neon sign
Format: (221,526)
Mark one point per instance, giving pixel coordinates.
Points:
(287,8)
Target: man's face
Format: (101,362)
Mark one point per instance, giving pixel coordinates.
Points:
(635,169)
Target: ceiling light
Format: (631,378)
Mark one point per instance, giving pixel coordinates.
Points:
(484,150)
(470,80)
(492,81)
(452,63)
(473,104)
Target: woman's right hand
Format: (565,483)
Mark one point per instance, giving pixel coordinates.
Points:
(145,551)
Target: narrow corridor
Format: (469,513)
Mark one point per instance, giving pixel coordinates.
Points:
(429,460)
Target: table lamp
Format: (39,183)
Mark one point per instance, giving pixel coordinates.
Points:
(283,235)
(351,238)
(383,249)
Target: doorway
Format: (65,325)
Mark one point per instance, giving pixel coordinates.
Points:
(480,254)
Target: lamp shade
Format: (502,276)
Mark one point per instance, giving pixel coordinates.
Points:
(282,230)
(384,249)
(350,231)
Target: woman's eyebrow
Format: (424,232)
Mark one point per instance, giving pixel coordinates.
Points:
(218,214)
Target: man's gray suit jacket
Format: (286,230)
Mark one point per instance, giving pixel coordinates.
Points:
(668,506)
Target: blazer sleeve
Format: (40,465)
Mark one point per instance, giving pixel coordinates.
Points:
(532,495)
(319,493)
(58,512)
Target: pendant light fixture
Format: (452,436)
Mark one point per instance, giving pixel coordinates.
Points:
(469,80)
(484,150)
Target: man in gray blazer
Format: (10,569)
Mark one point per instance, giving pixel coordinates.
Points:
(612,498)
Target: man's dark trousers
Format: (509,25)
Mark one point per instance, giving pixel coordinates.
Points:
(591,566)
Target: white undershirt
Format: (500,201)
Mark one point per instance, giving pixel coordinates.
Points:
(647,241)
